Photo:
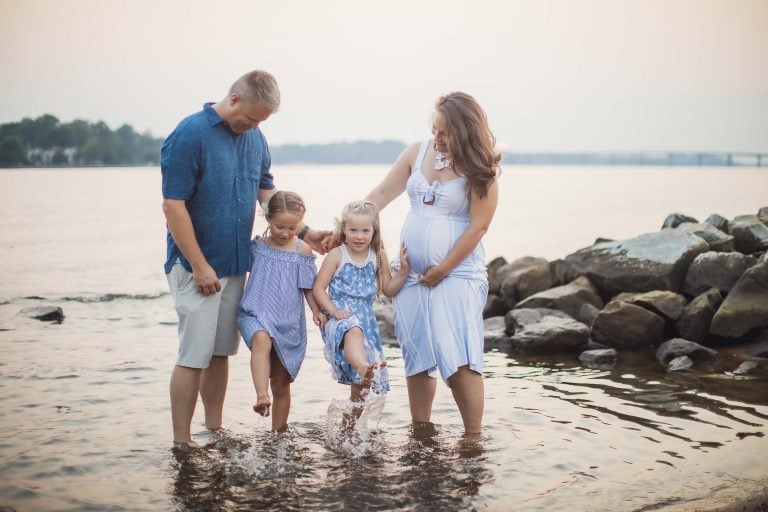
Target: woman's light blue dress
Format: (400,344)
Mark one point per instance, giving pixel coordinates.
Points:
(353,288)
(440,328)
(273,301)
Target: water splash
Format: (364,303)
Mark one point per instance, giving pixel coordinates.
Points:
(349,425)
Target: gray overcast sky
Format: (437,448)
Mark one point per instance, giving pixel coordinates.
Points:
(562,75)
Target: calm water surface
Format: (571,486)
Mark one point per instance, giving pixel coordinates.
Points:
(84,417)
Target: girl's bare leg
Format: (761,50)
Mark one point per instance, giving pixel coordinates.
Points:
(261,347)
(280,382)
(354,351)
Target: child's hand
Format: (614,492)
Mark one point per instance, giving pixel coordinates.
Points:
(319,318)
(340,314)
(404,263)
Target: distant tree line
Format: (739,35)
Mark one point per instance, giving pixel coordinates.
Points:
(46,141)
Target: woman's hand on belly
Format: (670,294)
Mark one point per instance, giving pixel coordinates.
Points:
(433,276)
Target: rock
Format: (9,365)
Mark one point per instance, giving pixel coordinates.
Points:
(654,261)
(601,357)
(570,298)
(627,326)
(749,234)
(718,221)
(667,304)
(745,308)
(545,331)
(677,347)
(44,313)
(762,215)
(494,306)
(524,277)
(494,284)
(675,219)
(719,270)
(679,364)
(495,333)
(717,240)
(745,367)
(759,349)
(385,317)
(696,317)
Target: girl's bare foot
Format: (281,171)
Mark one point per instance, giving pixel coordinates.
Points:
(365,371)
(262,405)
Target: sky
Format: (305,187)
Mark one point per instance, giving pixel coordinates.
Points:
(559,75)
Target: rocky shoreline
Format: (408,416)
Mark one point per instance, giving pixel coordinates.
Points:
(682,293)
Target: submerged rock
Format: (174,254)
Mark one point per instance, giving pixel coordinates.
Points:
(680,364)
(654,261)
(677,347)
(44,313)
(745,367)
(599,357)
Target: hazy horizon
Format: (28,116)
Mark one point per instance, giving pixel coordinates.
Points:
(557,76)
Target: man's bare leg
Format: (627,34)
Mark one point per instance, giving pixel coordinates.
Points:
(213,388)
(185,384)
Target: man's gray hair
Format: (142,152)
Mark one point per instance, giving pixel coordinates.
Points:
(258,87)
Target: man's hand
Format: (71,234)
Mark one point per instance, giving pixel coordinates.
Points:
(314,239)
(206,280)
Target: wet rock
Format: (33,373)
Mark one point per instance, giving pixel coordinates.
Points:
(570,298)
(675,219)
(680,364)
(627,326)
(745,367)
(667,304)
(745,308)
(760,346)
(718,221)
(719,270)
(495,333)
(749,234)
(524,277)
(696,317)
(654,261)
(601,357)
(545,331)
(677,347)
(717,240)
(44,313)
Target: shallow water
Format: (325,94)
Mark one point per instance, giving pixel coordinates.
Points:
(85,425)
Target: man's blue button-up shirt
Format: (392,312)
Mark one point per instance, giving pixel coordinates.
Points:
(218,173)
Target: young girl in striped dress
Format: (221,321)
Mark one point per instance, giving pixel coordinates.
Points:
(354,273)
(270,316)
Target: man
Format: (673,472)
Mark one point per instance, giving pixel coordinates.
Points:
(215,165)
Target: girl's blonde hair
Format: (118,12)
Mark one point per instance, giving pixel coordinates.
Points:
(366,209)
(284,201)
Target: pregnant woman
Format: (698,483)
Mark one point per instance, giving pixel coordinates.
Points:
(451,183)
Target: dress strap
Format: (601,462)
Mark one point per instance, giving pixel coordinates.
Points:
(422,152)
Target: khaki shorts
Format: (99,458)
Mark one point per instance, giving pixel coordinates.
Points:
(207,323)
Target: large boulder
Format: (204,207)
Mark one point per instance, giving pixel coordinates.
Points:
(574,298)
(749,234)
(677,347)
(385,318)
(718,270)
(717,240)
(524,277)
(627,326)
(545,331)
(494,283)
(654,261)
(696,318)
(745,308)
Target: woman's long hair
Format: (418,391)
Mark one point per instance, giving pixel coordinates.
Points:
(470,141)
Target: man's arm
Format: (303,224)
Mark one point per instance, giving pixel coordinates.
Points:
(180,225)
